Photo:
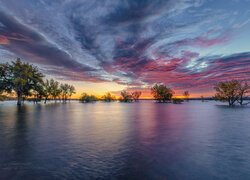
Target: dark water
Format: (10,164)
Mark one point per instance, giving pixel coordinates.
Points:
(143,140)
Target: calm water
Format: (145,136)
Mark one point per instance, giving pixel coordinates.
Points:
(142,140)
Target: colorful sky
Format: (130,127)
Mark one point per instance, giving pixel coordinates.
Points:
(111,45)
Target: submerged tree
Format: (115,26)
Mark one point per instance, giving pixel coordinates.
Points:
(108,97)
(27,82)
(161,93)
(55,90)
(71,91)
(38,93)
(125,97)
(231,91)
(227,91)
(88,98)
(21,78)
(244,90)
(47,91)
(136,95)
(64,91)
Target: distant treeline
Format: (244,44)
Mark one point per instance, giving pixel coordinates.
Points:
(26,83)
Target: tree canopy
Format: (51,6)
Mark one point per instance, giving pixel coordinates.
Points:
(85,98)
(26,80)
(126,97)
(231,91)
(21,78)
(108,97)
(161,93)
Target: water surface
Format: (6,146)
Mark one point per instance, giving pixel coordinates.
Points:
(144,140)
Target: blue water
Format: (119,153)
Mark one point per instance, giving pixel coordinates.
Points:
(144,140)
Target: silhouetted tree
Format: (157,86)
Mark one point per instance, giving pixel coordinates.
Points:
(161,93)
(64,91)
(47,91)
(71,91)
(125,97)
(85,98)
(136,95)
(108,97)
(55,89)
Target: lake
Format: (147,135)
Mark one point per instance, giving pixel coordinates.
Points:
(144,140)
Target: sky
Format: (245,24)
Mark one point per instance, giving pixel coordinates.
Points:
(104,46)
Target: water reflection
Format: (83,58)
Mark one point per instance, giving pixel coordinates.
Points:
(142,140)
(20,142)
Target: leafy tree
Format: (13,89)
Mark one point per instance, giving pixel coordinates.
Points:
(26,81)
(161,93)
(71,91)
(244,90)
(3,69)
(55,89)
(2,72)
(67,91)
(38,92)
(227,91)
(136,95)
(108,97)
(88,98)
(47,91)
(21,78)
(64,91)
(5,80)
(125,97)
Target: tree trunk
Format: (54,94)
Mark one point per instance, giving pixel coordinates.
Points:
(229,101)
(241,100)
(19,98)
